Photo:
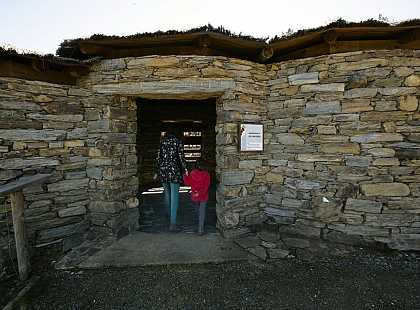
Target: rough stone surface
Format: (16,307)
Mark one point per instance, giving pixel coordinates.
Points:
(326,136)
(60,142)
(248,242)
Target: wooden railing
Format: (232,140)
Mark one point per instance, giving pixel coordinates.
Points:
(15,189)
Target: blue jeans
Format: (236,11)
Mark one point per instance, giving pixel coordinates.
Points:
(200,208)
(171,196)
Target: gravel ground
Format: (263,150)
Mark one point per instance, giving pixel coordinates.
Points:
(361,280)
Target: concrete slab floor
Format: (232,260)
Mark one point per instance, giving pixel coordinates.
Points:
(154,244)
(144,249)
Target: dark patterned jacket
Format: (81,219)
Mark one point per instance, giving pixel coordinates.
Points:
(170,160)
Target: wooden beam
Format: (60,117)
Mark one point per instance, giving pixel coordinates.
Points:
(20,71)
(40,65)
(316,50)
(344,47)
(22,183)
(330,36)
(203,40)
(163,50)
(352,46)
(91,48)
(266,53)
(409,36)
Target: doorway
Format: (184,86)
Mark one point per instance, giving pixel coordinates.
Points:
(198,119)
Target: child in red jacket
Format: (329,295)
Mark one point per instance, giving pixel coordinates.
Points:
(199,179)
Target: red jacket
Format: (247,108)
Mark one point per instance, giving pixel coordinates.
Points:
(200,182)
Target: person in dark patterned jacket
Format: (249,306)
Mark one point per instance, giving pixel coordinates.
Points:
(170,165)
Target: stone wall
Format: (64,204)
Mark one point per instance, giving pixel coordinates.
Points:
(340,160)
(87,142)
(341,132)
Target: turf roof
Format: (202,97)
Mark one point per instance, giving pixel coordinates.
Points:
(339,23)
(65,52)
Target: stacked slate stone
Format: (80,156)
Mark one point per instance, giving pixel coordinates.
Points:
(341,145)
(340,140)
(88,145)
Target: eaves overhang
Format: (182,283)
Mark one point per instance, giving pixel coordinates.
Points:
(75,56)
(46,68)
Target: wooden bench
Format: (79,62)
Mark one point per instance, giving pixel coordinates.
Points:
(15,189)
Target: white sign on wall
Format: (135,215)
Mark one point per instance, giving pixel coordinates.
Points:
(251,137)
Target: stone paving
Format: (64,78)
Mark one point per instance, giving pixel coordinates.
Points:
(154,219)
(264,245)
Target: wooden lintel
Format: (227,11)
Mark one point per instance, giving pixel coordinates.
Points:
(266,53)
(20,71)
(40,65)
(330,36)
(76,71)
(409,36)
(203,40)
(92,49)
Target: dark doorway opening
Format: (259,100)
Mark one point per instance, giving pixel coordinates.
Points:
(198,119)
(193,138)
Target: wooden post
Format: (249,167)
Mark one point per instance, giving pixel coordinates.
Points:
(15,189)
(19,227)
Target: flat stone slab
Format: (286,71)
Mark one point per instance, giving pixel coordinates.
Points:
(144,249)
(248,241)
(296,242)
(268,237)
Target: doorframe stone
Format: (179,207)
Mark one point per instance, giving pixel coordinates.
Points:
(190,89)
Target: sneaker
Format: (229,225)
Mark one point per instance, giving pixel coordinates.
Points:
(174,228)
(201,231)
